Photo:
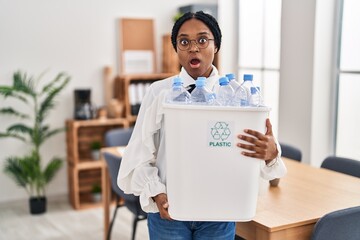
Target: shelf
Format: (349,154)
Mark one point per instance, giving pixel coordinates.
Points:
(98,122)
(83,171)
(90,164)
(121,86)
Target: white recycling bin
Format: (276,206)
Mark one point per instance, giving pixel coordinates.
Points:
(207,178)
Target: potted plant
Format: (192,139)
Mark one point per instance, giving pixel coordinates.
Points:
(95,150)
(28,171)
(96,192)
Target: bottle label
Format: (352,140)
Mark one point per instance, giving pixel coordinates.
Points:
(220,134)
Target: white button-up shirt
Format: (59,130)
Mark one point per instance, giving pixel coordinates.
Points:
(143,167)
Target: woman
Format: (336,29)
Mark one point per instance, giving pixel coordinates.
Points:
(196,38)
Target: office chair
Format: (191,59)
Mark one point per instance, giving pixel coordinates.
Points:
(343,165)
(290,151)
(120,137)
(130,201)
(338,225)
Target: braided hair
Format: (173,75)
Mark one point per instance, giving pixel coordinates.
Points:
(207,19)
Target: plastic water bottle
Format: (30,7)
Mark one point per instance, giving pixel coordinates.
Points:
(226,92)
(261,101)
(178,93)
(232,80)
(241,97)
(254,96)
(200,94)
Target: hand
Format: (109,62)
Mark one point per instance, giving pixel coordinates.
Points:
(163,205)
(263,146)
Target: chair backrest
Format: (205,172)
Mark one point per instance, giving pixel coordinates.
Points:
(118,137)
(338,225)
(113,163)
(290,151)
(343,165)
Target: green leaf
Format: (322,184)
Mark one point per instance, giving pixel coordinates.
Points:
(52,168)
(27,171)
(20,128)
(7,91)
(53,132)
(14,169)
(12,135)
(23,84)
(52,92)
(11,111)
(51,85)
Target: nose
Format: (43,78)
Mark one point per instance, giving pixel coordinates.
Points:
(193,46)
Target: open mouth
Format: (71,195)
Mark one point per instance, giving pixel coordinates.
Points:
(195,63)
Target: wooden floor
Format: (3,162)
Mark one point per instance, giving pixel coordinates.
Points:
(61,221)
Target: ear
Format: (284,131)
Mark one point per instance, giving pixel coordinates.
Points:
(216,50)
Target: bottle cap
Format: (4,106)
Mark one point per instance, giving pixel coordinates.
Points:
(200,82)
(177,81)
(223,81)
(230,76)
(248,77)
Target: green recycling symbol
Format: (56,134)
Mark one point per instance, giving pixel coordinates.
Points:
(220,131)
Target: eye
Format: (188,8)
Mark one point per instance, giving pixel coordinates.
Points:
(184,42)
(202,40)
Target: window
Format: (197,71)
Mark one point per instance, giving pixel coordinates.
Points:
(348,104)
(259,48)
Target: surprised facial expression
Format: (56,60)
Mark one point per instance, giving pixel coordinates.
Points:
(198,48)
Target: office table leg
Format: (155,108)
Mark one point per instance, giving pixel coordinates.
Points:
(106,199)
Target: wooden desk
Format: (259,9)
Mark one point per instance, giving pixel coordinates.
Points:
(290,210)
(305,194)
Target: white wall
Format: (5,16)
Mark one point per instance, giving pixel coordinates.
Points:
(296,69)
(306,100)
(324,94)
(227,12)
(79,37)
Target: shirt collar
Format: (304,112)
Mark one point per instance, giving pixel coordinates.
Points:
(210,81)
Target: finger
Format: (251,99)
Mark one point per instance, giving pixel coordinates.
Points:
(164,214)
(255,134)
(247,138)
(164,211)
(253,155)
(255,141)
(253,148)
(163,205)
(268,127)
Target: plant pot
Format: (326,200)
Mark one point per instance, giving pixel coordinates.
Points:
(95,154)
(96,197)
(37,205)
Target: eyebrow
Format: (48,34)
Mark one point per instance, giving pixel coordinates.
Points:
(199,34)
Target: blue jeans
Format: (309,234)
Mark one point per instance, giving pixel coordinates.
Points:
(161,229)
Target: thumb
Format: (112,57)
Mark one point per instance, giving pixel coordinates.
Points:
(162,200)
(165,205)
(268,127)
